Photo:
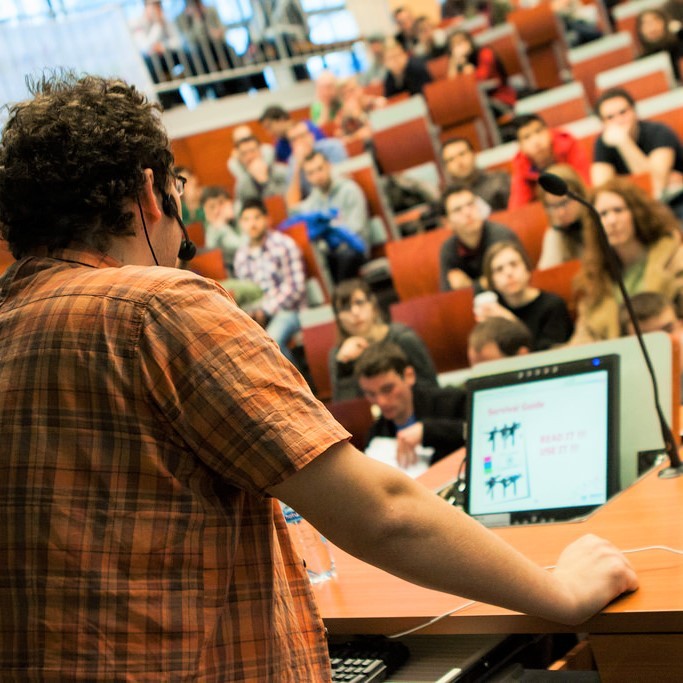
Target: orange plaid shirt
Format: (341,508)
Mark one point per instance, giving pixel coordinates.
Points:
(143,418)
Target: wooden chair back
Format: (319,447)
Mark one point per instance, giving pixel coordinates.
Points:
(404,145)
(505,42)
(355,416)
(318,340)
(557,106)
(195,232)
(559,280)
(209,264)
(529,223)
(276,206)
(642,78)
(443,321)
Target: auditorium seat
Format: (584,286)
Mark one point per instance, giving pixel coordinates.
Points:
(559,280)
(542,34)
(498,158)
(642,78)
(196,234)
(557,106)
(443,321)
(6,258)
(458,107)
(318,340)
(438,67)
(209,264)
(529,223)
(355,415)
(587,61)
(666,108)
(414,263)
(276,207)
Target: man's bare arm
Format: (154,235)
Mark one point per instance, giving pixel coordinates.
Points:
(385,518)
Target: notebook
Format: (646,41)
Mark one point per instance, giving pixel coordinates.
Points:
(542,442)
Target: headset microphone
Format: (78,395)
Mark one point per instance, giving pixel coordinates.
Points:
(188,249)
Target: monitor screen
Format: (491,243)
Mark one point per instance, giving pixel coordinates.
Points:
(542,442)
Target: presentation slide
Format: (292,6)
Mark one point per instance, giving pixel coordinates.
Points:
(540,445)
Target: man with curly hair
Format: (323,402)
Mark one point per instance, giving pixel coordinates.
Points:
(149,426)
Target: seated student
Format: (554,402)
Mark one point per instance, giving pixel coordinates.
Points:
(190,202)
(273,261)
(578,20)
(375,71)
(353,120)
(303,143)
(415,415)
(328,193)
(234,164)
(458,159)
(277,121)
(654,313)
(563,239)
(432,42)
(404,73)
(466,57)
(655,35)
(462,255)
(221,232)
(539,148)
(359,324)
(326,104)
(646,238)
(628,145)
(407,33)
(263,177)
(496,338)
(507,270)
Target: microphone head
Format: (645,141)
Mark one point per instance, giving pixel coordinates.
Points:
(187,251)
(553,184)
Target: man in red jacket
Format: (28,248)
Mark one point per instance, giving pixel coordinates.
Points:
(539,148)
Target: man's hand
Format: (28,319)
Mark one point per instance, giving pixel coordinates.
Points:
(407,440)
(351,348)
(615,135)
(258,170)
(492,309)
(593,572)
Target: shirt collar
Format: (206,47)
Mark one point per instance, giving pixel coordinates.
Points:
(78,253)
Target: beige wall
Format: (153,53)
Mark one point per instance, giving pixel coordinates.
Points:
(429,7)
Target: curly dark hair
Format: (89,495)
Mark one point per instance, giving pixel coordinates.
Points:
(652,220)
(70,159)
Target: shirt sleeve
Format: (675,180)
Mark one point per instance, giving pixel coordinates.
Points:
(293,284)
(448,260)
(225,392)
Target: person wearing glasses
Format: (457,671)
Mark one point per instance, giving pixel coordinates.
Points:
(563,238)
(150,428)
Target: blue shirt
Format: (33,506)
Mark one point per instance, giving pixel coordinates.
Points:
(283,150)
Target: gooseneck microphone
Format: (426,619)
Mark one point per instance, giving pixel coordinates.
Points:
(556,186)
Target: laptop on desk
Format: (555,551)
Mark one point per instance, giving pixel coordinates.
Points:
(542,442)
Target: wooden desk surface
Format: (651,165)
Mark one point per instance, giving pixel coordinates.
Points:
(363,599)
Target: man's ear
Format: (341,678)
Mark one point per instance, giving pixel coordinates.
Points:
(409,375)
(149,201)
(523,351)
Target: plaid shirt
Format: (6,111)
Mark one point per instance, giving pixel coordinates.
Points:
(143,418)
(277,267)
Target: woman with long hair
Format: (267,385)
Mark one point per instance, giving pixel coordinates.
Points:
(359,324)
(563,238)
(646,238)
(467,57)
(655,35)
(507,270)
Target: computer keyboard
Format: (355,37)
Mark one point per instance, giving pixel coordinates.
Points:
(366,660)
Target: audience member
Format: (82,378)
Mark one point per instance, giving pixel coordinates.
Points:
(507,270)
(417,416)
(332,194)
(539,148)
(359,324)
(303,142)
(407,33)
(262,178)
(457,156)
(278,121)
(674,10)
(653,312)
(646,238)
(240,133)
(375,71)
(272,261)
(563,239)
(496,338)
(431,42)
(140,532)
(191,201)
(353,121)
(580,22)
(655,35)
(628,145)
(462,255)
(327,103)
(466,57)
(404,73)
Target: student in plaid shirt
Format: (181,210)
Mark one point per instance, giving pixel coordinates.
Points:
(148,427)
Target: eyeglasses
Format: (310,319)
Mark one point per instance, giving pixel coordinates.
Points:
(180,184)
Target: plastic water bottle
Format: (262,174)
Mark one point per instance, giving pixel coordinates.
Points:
(310,545)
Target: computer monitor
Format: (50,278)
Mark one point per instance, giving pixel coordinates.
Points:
(542,442)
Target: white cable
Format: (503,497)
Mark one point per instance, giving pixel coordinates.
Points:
(666,548)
